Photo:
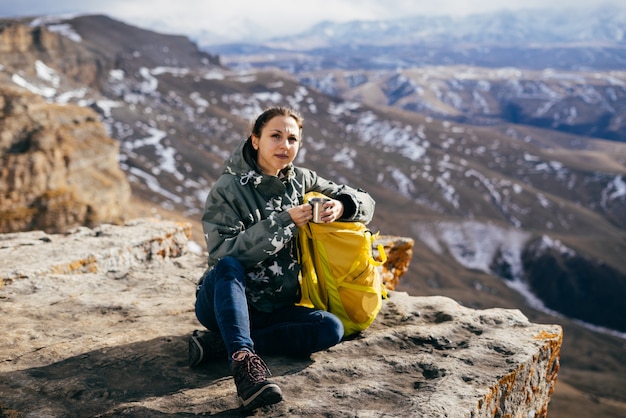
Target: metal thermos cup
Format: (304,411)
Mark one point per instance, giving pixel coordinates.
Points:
(318,206)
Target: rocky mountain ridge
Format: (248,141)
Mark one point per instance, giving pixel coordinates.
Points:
(473,197)
(551,69)
(589,104)
(539,26)
(583,38)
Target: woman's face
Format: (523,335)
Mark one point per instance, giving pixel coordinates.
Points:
(278,145)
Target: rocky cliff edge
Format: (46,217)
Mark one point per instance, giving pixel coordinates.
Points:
(95,323)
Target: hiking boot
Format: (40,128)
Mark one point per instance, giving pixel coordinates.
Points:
(205,346)
(253,388)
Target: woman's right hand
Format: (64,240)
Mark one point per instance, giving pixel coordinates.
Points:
(301,214)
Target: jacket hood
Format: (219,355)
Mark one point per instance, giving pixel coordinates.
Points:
(242,164)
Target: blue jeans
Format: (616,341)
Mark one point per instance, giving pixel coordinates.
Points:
(221,306)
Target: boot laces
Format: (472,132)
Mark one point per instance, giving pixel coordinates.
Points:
(255,368)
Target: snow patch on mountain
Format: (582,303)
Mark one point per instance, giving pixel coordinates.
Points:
(43,91)
(391,137)
(475,245)
(615,189)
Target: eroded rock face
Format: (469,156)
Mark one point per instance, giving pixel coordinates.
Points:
(96,322)
(58,168)
(399,251)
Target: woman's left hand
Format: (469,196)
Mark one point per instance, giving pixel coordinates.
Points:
(332,211)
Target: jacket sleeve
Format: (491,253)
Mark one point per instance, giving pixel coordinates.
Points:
(232,227)
(358,204)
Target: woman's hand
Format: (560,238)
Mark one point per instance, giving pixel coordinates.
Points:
(332,211)
(301,214)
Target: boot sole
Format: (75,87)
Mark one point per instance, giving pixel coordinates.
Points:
(267,395)
(196,352)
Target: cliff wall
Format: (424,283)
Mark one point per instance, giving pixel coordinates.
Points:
(59,168)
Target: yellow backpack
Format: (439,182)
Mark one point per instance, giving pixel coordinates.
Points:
(339,273)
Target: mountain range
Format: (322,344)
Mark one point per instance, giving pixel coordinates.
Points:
(550,69)
(506,210)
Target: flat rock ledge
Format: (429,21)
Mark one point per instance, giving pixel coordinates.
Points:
(95,324)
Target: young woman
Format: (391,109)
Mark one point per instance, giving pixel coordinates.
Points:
(248,295)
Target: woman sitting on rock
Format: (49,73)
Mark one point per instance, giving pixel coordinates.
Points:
(247,298)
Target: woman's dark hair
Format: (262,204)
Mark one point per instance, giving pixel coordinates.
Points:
(272,112)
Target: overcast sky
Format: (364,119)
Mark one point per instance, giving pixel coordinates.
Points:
(265,17)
